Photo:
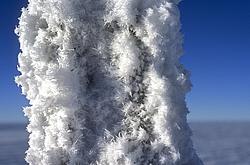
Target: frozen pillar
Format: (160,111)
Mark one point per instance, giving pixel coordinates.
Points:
(104,82)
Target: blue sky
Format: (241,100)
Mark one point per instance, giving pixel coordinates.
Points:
(11,101)
(217,52)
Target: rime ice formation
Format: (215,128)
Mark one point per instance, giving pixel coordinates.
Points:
(104,82)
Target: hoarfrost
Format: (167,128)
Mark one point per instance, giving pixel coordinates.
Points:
(104,82)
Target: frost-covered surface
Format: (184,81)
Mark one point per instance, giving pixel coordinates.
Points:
(104,82)
(219,143)
(222,143)
(13,143)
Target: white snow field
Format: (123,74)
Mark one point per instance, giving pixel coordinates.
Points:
(104,82)
(217,143)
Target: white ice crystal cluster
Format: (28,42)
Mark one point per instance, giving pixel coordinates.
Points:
(104,82)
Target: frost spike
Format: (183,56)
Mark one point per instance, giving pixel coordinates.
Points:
(104,82)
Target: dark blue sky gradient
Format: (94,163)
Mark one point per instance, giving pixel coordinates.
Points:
(11,101)
(217,52)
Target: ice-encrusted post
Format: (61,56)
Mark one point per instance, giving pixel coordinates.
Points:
(104,82)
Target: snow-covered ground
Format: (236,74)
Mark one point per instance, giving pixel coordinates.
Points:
(216,143)
(13,144)
(222,143)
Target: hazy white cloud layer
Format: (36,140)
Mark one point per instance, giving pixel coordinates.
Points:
(104,82)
